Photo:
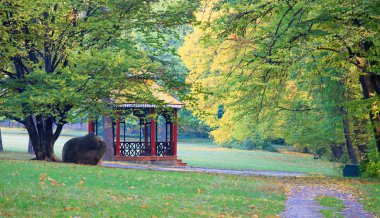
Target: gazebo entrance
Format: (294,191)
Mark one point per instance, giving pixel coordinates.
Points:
(156,137)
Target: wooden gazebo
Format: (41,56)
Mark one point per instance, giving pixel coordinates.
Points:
(148,146)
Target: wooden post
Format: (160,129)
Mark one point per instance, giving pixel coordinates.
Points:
(146,137)
(90,126)
(153,133)
(172,136)
(175,132)
(117,150)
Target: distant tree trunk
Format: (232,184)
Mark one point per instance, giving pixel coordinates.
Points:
(30,147)
(361,137)
(371,87)
(108,138)
(1,142)
(350,148)
(337,150)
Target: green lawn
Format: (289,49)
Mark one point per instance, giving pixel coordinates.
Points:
(76,190)
(207,154)
(199,153)
(35,189)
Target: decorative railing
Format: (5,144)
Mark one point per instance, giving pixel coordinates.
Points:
(164,148)
(141,149)
(134,149)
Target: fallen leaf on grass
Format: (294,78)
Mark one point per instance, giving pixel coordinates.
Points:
(144,206)
(200,191)
(53,182)
(43,176)
(71,208)
(81,183)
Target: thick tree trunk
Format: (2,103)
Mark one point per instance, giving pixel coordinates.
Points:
(108,138)
(371,87)
(1,143)
(41,135)
(350,148)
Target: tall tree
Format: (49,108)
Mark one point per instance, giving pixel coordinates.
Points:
(61,58)
(247,53)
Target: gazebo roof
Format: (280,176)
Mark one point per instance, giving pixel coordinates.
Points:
(158,92)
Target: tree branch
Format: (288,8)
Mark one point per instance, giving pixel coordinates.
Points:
(12,75)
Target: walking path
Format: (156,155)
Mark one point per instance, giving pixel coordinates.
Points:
(301,201)
(204,170)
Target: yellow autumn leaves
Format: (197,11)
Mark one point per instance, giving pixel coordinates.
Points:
(45,180)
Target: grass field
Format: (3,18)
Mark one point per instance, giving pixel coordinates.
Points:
(34,189)
(208,154)
(40,189)
(199,153)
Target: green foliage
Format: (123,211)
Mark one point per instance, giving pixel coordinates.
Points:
(284,69)
(64,60)
(371,166)
(256,143)
(73,54)
(190,126)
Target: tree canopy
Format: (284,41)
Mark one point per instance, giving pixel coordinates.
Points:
(305,71)
(62,58)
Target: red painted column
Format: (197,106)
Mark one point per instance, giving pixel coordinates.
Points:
(153,133)
(117,150)
(90,126)
(171,133)
(175,132)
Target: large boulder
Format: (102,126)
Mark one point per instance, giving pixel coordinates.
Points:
(88,149)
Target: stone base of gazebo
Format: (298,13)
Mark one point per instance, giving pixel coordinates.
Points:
(153,160)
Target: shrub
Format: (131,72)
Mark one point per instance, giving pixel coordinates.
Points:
(254,143)
(371,166)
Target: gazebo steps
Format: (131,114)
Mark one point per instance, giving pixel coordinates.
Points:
(179,163)
(154,160)
(145,158)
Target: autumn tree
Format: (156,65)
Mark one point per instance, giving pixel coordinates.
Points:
(60,59)
(259,59)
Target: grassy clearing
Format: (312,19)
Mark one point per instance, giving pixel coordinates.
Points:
(199,153)
(335,205)
(208,154)
(38,189)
